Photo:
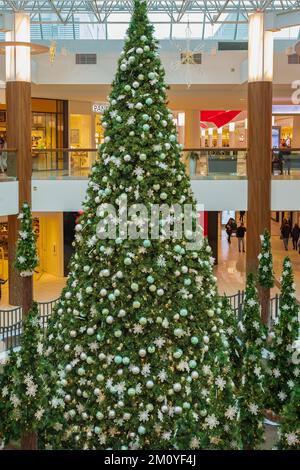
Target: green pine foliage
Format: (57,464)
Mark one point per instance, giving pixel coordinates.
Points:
(290,429)
(266,277)
(252,385)
(232,331)
(282,373)
(23,389)
(26,253)
(139,358)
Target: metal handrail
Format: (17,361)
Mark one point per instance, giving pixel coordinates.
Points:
(199,149)
(10,333)
(35,150)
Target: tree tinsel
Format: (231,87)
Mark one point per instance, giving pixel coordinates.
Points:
(231,327)
(266,277)
(26,253)
(282,374)
(252,385)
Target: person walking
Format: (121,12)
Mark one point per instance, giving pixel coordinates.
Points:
(295,236)
(285,233)
(3,155)
(228,228)
(240,235)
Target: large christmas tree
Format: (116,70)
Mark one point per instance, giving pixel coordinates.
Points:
(137,347)
(282,372)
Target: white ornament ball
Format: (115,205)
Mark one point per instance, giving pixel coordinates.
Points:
(177,387)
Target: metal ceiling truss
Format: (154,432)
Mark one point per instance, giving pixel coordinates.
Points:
(100,11)
(169,12)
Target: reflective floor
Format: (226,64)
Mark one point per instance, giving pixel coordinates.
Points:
(231,268)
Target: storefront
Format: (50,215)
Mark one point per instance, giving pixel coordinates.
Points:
(49,131)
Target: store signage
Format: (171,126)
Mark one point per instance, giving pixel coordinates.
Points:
(99,107)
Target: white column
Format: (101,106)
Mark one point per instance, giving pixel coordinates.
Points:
(232,134)
(219,140)
(203,135)
(210,136)
(17,58)
(261,48)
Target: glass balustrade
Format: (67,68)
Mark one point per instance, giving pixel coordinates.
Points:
(213,163)
(60,163)
(202,163)
(286,163)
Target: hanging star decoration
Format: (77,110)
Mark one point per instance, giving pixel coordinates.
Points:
(189,56)
(52,51)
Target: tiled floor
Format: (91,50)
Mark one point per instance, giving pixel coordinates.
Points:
(230,270)
(47,288)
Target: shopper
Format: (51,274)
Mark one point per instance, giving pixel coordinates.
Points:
(285,233)
(228,228)
(240,235)
(295,236)
(3,155)
(242,214)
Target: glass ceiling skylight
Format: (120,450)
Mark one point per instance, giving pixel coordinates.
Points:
(108,19)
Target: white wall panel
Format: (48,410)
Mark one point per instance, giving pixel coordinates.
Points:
(220,195)
(58,195)
(8,197)
(285,195)
(67,195)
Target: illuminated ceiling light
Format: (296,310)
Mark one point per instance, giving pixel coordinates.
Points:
(18,67)
(260,54)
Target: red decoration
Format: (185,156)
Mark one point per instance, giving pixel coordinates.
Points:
(219,118)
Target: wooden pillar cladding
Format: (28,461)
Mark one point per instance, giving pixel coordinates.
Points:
(259,174)
(258,167)
(18,103)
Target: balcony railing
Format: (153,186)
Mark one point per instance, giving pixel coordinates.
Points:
(201,163)
(286,163)
(11,319)
(215,162)
(53,163)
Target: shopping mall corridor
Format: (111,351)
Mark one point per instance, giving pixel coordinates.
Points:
(231,267)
